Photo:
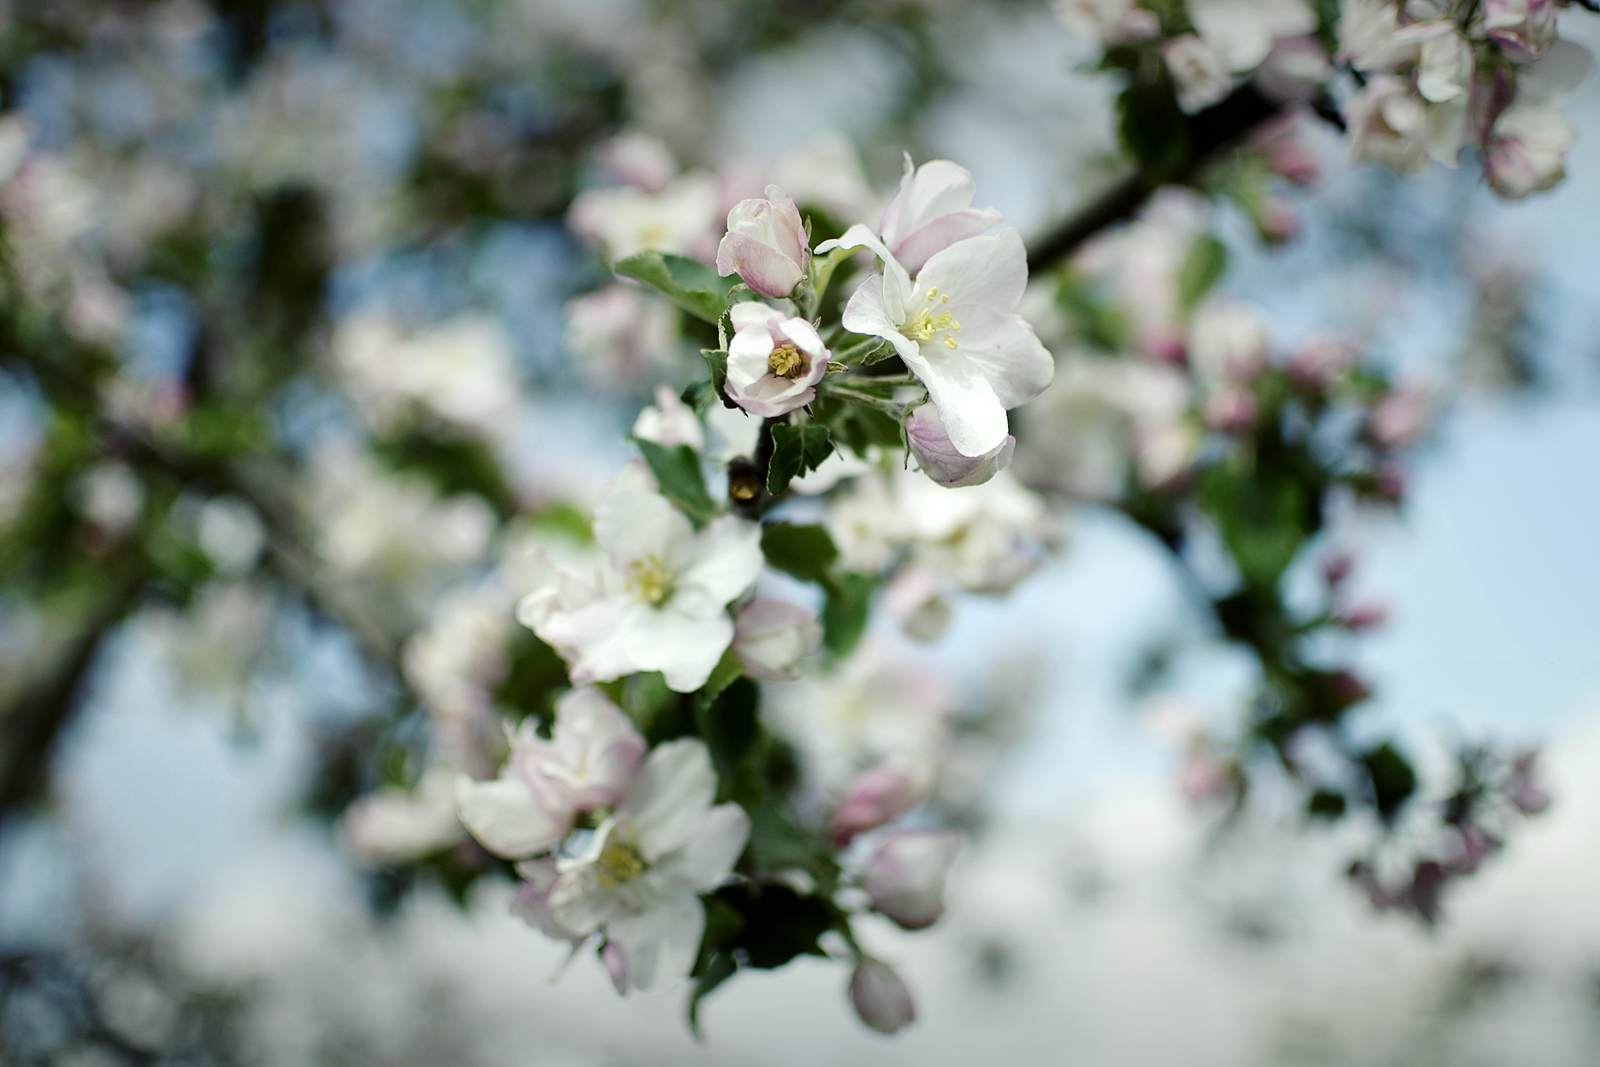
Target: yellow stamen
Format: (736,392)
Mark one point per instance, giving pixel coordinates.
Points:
(924,324)
(619,862)
(786,361)
(650,581)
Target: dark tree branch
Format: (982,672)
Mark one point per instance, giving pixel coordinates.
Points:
(1210,132)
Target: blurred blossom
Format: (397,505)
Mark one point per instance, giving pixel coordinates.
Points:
(1295,71)
(1401,417)
(1244,31)
(879,795)
(1227,343)
(825,172)
(905,876)
(111,495)
(1321,361)
(881,997)
(1111,22)
(396,825)
(231,533)
(1230,410)
(770,637)
(639,159)
(1199,70)
(1388,124)
(1527,149)
(681,218)
(460,371)
(220,636)
(620,334)
(670,423)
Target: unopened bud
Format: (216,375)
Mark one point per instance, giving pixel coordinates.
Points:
(880,997)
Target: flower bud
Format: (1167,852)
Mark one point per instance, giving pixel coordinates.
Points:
(937,455)
(880,997)
(878,795)
(770,637)
(765,244)
(1524,29)
(1400,418)
(905,877)
(1527,150)
(616,961)
(670,423)
(1199,71)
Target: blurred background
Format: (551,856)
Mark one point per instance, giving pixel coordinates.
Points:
(329,259)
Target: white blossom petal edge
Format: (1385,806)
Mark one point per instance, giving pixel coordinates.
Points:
(661,606)
(640,877)
(954,326)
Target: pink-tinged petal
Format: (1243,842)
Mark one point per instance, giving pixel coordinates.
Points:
(507,819)
(763,268)
(615,958)
(748,313)
(973,415)
(939,459)
(772,635)
(877,796)
(905,877)
(803,335)
(670,797)
(880,997)
(660,944)
(988,272)
(941,233)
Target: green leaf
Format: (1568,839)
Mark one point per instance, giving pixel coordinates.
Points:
(1393,780)
(725,673)
(1263,517)
(1153,129)
(795,450)
(717,364)
(806,552)
(1204,264)
(779,924)
(719,967)
(677,472)
(730,727)
(715,962)
(775,841)
(844,614)
(688,283)
(699,396)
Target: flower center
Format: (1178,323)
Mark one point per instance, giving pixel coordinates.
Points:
(925,324)
(619,862)
(650,580)
(786,361)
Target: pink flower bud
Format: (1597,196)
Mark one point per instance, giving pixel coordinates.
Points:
(905,877)
(880,997)
(1399,419)
(1230,410)
(770,637)
(616,961)
(765,244)
(1364,617)
(939,459)
(1527,150)
(1337,568)
(877,796)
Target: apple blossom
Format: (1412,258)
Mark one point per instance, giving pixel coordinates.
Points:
(678,218)
(932,211)
(1227,343)
(766,244)
(587,763)
(619,333)
(1527,149)
(1199,71)
(1111,22)
(879,795)
(670,423)
(1387,124)
(638,876)
(1524,29)
(771,635)
(660,605)
(956,329)
(774,361)
(1444,66)
(905,876)
(394,825)
(880,997)
(938,458)
(1243,31)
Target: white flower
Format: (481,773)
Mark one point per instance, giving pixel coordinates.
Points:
(1388,124)
(1199,71)
(670,423)
(825,172)
(982,538)
(660,606)
(588,762)
(937,456)
(640,875)
(680,218)
(640,159)
(398,824)
(1527,149)
(955,329)
(772,635)
(774,361)
(1371,37)
(880,794)
(905,877)
(1111,22)
(766,244)
(1227,343)
(1444,66)
(1524,29)
(880,997)
(932,211)
(619,332)
(461,371)
(1243,31)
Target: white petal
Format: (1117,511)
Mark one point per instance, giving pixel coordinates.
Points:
(1006,352)
(988,272)
(727,560)
(506,818)
(631,525)
(706,860)
(684,648)
(596,639)
(661,944)
(748,313)
(867,313)
(669,799)
(973,415)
